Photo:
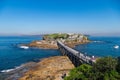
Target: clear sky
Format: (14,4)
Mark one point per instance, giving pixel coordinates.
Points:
(96,17)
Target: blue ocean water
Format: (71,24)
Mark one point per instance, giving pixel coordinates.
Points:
(101,46)
(11,56)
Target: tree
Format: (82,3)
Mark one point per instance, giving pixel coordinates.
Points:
(118,65)
(104,69)
(105,64)
(80,73)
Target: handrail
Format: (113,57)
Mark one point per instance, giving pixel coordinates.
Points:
(85,58)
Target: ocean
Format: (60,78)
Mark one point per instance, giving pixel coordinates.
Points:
(101,47)
(11,56)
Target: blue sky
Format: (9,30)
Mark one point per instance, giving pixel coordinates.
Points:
(95,17)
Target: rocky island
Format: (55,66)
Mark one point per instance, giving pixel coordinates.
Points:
(49,41)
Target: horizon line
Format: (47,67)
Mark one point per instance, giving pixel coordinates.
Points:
(35,34)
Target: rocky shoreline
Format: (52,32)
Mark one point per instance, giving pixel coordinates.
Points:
(43,44)
(73,44)
(16,73)
(52,68)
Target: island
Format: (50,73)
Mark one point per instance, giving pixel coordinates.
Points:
(49,41)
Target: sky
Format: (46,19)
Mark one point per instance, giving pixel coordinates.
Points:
(94,17)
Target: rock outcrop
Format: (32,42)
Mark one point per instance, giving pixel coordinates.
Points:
(44,44)
(52,68)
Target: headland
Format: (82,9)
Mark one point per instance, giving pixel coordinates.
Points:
(52,68)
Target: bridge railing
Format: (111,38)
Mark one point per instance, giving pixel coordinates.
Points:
(76,53)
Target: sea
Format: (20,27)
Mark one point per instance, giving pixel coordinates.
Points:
(12,56)
(101,47)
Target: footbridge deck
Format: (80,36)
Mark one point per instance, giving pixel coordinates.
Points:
(75,56)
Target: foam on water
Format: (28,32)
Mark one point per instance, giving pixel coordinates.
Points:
(101,46)
(9,70)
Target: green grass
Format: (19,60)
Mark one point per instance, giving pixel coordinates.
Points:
(56,36)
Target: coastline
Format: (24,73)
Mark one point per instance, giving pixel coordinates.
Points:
(43,44)
(49,68)
(52,65)
(17,72)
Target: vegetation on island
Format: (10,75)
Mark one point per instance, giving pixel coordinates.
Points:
(55,36)
(106,68)
(64,36)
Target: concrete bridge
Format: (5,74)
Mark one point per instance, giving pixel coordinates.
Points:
(76,57)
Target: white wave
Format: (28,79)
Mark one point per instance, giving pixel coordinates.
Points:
(24,47)
(9,70)
(98,41)
(116,46)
